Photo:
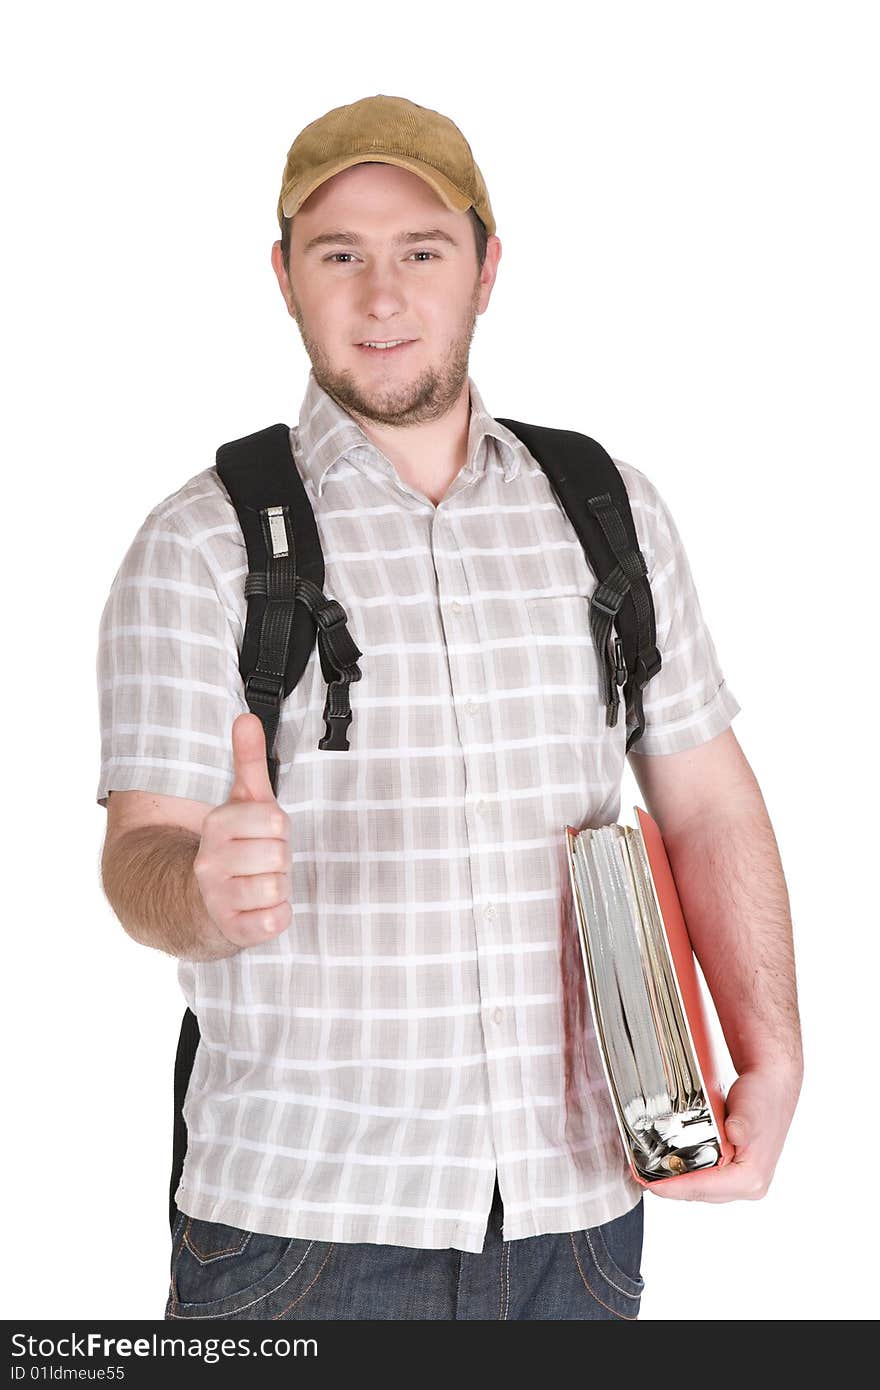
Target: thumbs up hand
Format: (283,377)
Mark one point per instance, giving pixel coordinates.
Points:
(242,865)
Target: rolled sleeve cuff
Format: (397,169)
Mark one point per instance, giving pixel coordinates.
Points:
(691,729)
(191,780)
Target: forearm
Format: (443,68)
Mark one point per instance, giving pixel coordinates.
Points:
(149,882)
(735,901)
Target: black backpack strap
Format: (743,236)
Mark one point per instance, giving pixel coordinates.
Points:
(286,607)
(187,1046)
(284,588)
(588,484)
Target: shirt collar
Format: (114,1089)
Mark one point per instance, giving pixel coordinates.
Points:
(326,433)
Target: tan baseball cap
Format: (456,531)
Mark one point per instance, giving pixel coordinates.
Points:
(390,130)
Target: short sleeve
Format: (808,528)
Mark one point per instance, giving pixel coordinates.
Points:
(688,701)
(169,686)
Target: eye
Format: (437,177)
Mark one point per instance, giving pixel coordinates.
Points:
(334,255)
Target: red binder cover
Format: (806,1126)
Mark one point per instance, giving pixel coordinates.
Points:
(692,999)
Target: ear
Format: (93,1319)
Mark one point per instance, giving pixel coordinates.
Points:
(488,272)
(281,275)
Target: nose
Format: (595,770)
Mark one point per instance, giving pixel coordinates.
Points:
(382,294)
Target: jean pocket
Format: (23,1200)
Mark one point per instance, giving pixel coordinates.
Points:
(609,1259)
(225,1271)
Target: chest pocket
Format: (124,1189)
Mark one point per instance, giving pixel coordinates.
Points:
(567,667)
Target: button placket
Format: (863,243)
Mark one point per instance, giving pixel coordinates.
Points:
(468,690)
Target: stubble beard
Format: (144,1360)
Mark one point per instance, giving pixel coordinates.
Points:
(429,395)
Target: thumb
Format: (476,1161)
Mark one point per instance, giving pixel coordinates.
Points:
(742,1121)
(251,780)
(737,1131)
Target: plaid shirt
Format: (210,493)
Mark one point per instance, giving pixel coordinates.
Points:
(424,1020)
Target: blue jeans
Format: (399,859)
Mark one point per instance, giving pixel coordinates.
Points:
(225,1272)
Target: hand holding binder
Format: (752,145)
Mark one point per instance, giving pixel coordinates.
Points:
(763,1100)
(651,1023)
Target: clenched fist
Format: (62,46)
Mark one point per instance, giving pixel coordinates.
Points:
(242,865)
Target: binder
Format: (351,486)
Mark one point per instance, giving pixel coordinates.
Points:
(649,1010)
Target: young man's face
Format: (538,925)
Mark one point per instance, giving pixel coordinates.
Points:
(428,291)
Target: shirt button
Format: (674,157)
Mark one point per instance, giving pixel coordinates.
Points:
(498,1015)
(457,607)
(472,707)
(491,911)
(480,808)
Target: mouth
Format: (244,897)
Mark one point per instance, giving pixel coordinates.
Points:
(398,346)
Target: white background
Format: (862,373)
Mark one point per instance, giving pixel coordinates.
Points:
(684,196)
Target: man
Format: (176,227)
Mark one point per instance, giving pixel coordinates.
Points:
(397,1108)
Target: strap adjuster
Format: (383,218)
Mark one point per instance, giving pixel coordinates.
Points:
(330,614)
(604,608)
(262,687)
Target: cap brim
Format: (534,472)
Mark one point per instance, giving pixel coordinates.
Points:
(293,197)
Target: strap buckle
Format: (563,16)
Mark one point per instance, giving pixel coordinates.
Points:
(620,664)
(336,732)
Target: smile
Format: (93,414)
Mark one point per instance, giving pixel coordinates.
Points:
(395,345)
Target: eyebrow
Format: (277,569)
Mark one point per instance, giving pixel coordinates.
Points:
(352,238)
